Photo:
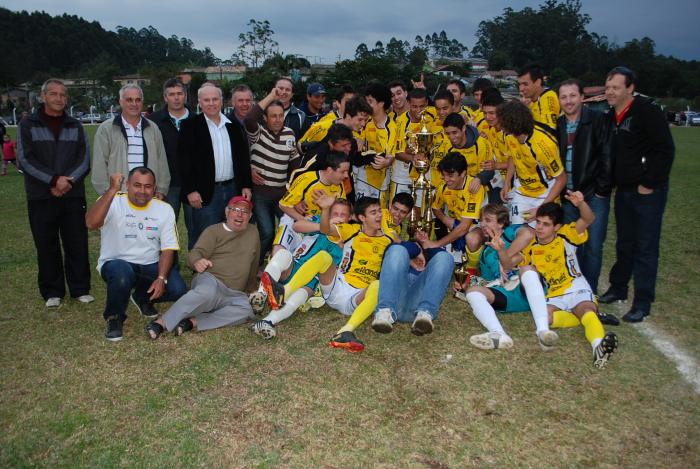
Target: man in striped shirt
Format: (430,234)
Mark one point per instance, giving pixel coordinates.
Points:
(272,148)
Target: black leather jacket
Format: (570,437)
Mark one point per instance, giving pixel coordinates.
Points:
(591,170)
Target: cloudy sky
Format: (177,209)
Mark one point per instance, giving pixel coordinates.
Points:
(322,31)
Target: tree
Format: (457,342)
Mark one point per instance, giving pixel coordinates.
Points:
(257,44)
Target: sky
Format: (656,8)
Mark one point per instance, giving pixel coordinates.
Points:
(325,31)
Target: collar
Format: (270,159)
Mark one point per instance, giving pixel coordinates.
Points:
(184,116)
(126,124)
(223,120)
(621,116)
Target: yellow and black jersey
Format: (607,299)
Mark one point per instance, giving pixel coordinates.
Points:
(332,116)
(380,139)
(475,155)
(388,226)
(460,202)
(536,161)
(362,254)
(546,109)
(499,147)
(556,261)
(400,170)
(304,186)
(438,154)
(318,130)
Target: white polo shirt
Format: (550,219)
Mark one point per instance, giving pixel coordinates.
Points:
(137,234)
(220,141)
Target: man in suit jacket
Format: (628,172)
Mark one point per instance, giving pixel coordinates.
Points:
(214,161)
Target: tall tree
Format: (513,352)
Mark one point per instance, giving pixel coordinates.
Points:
(257,44)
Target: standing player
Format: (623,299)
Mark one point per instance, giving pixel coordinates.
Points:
(491,130)
(543,102)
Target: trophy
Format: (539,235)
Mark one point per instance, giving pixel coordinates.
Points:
(423,142)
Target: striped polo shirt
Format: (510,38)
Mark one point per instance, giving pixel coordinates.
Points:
(134,140)
(271,154)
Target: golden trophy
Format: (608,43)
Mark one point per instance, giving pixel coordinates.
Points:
(423,143)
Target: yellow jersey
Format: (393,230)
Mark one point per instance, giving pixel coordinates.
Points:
(362,254)
(460,203)
(536,161)
(546,109)
(435,176)
(475,155)
(304,186)
(317,131)
(499,148)
(381,139)
(400,170)
(388,225)
(556,261)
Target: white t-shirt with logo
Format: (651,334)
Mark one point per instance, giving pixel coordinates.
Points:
(137,234)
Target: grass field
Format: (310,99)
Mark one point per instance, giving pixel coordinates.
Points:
(225,398)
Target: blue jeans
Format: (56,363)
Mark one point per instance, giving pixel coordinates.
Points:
(210,214)
(122,276)
(590,254)
(639,219)
(265,209)
(405,292)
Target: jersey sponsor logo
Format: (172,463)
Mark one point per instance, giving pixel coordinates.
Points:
(555,166)
(471,207)
(289,143)
(367,271)
(151,228)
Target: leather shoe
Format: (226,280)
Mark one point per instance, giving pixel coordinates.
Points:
(608,319)
(635,315)
(611,296)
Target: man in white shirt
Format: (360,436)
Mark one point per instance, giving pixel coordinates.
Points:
(214,160)
(138,239)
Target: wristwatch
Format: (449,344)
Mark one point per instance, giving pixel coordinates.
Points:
(165,280)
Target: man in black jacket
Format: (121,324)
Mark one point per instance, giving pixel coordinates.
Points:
(643,151)
(53,152)
(214,162)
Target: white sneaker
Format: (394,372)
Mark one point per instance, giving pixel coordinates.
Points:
(257,301)
(86,298)
(264,329)
(491,341)
(53,302)
(547,339)
(423,324)
(383,321)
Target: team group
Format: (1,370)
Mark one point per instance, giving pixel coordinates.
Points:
(519,192)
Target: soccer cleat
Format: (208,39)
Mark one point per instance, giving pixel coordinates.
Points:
(547,339)
(608,319)
(612,296)
(114,329)
(347,340)
(257,301)
(53,302)
(264,329)
(604,350)
(383,321)
(491,341)
(423,324)
(274,290)
(145,309)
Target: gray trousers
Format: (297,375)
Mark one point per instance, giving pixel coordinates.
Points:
(211,303)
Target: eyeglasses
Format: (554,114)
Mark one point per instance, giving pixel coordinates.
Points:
(238,210)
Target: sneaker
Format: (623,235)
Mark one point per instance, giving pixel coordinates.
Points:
(603,351)
(86,298)
(257,301)
(114,329)
(347,340)
(316,301)
(145,309)
(547,339)
(53,302)
(611,296)
(491,341)
(274,290)
(423,324)
(383,321)
(264,329)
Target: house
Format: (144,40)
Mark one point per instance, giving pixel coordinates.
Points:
(214,73)
(132,79)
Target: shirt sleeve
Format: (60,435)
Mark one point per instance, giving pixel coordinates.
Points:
(472,202)
(168,238)
(296,191)
(571,235)
(347,230)
(548,156)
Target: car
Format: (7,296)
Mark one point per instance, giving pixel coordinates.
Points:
(693,118)
(90,118)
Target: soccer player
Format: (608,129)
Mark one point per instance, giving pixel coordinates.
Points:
(553,254)
(284,264)
(393,217)
(480,85)
(399,99)
(515,291)
(379,136)
(355,116)
(491,129)
(534,153)
(459,91)
(344,94)
(352,287)
(543,102)
(444,103)
(466,141)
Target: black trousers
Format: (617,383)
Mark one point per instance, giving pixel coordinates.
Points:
(53,222)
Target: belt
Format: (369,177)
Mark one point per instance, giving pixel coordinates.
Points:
(224,183)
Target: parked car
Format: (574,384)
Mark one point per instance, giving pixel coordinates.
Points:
(87,118)
(693,118)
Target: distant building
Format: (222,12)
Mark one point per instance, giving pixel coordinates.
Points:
(214,73)
(132,79)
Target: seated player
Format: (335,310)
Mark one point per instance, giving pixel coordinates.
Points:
(352,287)
(393,217)
(508,291)
(284,264)
(553,254)
(462,206)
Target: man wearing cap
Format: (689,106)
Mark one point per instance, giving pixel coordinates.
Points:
(226,261)
(313,106)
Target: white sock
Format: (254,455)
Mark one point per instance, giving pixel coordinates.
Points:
(484,312)
(595,343)
(291,304)
(278,264)
(535,297)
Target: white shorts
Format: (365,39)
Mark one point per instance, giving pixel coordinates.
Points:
(363,189)
(519,204)
(286,236)
(340,295)
(575,295)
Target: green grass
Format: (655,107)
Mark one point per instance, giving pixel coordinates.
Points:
(225,398)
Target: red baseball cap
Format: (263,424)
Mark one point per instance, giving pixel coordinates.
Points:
(238,199)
